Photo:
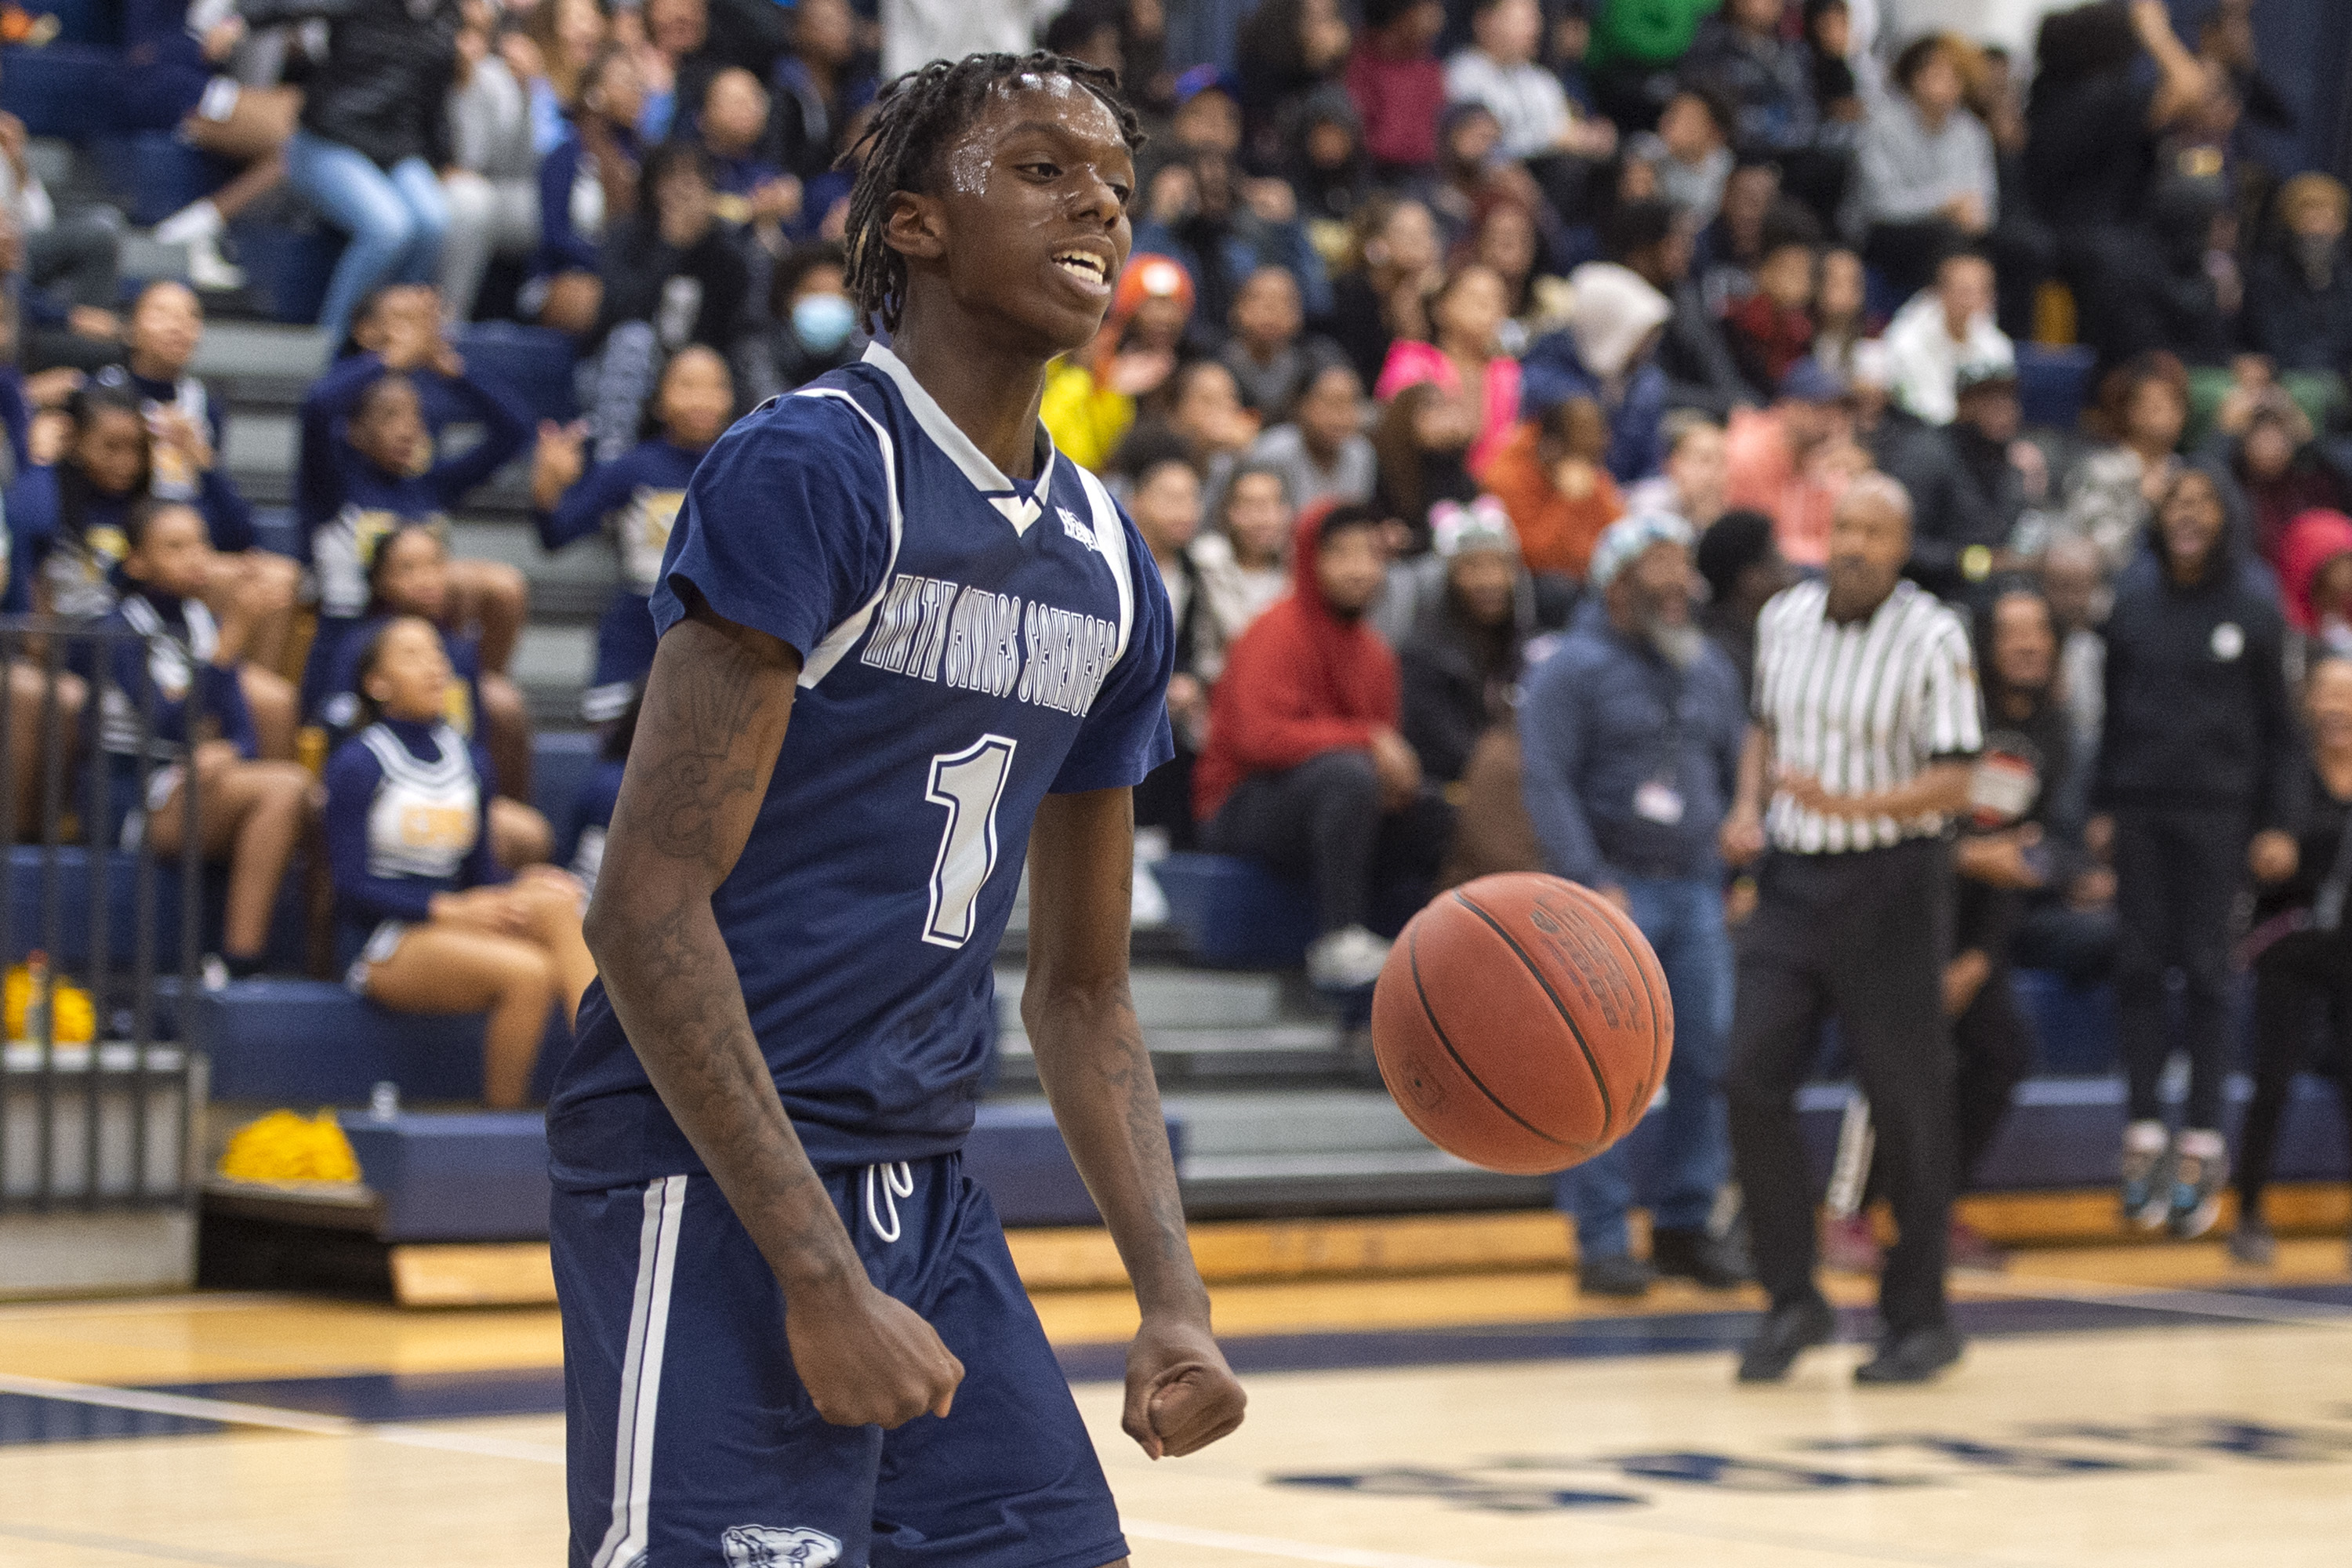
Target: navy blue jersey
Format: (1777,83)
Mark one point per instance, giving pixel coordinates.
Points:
(968,646)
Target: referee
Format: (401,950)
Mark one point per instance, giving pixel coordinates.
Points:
(1865,722)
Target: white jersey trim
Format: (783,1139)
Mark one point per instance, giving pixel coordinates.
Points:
(985,475)
(1111,539)
(641,1371)
(837,642)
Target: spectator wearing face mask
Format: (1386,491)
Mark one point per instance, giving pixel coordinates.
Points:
(1631,733)
(812,326)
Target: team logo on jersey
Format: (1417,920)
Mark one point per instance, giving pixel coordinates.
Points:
(1077,529)
(771,1546)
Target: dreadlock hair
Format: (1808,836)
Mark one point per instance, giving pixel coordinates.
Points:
(916,119)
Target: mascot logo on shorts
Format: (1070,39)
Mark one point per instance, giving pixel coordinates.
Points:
(769,1546)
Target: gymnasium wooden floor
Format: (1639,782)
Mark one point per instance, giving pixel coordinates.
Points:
(2119,1408)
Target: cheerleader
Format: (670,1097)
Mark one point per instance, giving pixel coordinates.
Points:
(377,470)
(410,576)
(253,813)
(68,517)
(185,434)
(426,920)
(635,499)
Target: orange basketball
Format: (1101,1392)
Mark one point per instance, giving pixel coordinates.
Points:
(1522,1023)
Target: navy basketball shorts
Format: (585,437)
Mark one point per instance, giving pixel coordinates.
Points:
(692,1441)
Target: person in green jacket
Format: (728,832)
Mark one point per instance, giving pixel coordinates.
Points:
(1636,45)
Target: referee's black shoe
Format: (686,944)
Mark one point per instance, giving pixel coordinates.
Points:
(1915,1356)
(1711,1262)
(1785,1333)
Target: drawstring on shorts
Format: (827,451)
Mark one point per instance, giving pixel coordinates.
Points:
(898,1180)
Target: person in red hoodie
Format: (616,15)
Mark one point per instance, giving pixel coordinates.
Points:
(2315,565)
(1304,768)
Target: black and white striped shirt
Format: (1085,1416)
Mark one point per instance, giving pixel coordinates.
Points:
(1863,707)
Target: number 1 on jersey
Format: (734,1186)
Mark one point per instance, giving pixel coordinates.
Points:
(969,782)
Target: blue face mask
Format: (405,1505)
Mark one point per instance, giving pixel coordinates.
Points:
(822,322)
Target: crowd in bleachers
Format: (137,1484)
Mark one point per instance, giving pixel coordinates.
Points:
(1440,312)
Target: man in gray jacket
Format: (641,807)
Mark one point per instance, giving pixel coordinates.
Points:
(1631,733)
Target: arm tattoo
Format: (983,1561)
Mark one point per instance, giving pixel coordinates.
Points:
(696,776)
(714,719)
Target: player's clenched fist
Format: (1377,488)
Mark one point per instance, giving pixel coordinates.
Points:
(1180,1395)
(867,1358)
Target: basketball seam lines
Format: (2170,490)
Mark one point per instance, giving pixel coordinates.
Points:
(1608,1105)
(1413,955)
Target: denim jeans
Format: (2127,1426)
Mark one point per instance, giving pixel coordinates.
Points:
(1684,921)
(396,220)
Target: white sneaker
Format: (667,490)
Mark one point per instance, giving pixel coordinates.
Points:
(1346,959)
(197,220)
(209,270)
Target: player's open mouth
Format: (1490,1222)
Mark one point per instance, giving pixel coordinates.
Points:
(1085,266)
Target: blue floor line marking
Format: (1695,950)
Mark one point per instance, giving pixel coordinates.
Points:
(538,1391)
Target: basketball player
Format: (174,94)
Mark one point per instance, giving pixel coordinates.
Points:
(897,632)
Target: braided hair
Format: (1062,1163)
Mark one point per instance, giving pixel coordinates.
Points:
(918,117)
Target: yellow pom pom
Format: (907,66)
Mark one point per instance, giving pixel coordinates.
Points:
(285,1147)
(75,1020)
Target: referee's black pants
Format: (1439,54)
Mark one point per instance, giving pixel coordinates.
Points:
(1861,937)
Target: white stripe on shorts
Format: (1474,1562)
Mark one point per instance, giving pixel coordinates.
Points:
(641,1370)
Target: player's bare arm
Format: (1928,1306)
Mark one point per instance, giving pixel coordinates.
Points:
(716,708)
(1180,1395)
